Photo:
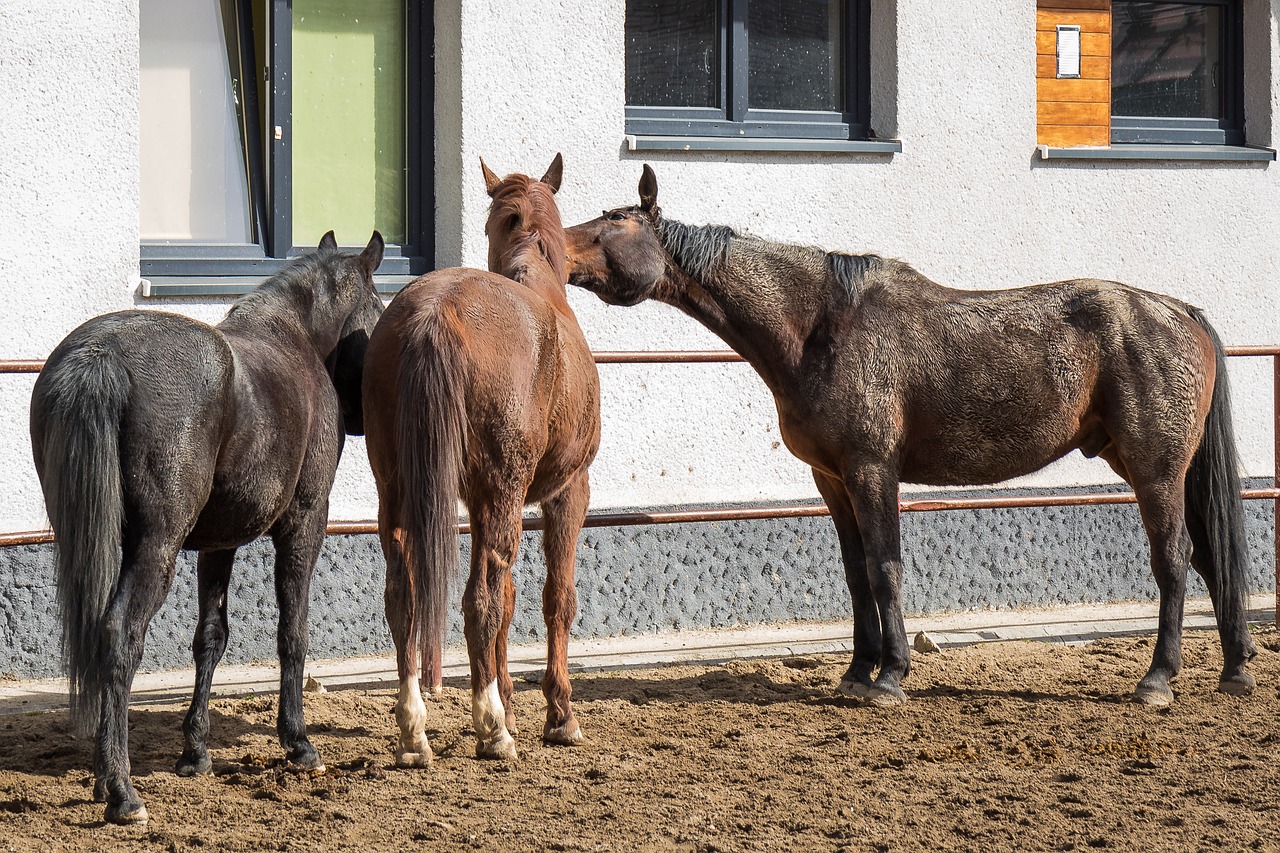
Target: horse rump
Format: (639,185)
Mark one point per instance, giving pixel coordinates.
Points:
(76,409)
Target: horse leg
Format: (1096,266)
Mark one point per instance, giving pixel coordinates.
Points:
(866,618)
(413,749)
(506,687)
(564,515)
(213,574)
(1162,508)
(495,538)
(1237,647)
(873,493)
(298,537)
(145,577)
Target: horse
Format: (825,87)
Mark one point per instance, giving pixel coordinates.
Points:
(479,385)
(882,376)
(153,432)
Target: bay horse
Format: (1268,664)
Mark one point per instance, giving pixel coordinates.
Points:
(881,376)
(153,432)
(479,385)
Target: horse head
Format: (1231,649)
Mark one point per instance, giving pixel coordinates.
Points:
(619,255)
(524,224)
(353,306)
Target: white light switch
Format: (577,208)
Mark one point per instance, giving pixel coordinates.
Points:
(1068,51)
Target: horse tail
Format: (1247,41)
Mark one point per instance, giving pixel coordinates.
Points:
(1214,502)
(431,435)
(81,400)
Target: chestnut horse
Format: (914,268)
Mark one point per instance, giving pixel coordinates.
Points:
(882,376)
(480,386)
(153,432)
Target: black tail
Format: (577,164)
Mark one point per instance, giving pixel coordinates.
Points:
(1214,504)
(431,436)
(78,404)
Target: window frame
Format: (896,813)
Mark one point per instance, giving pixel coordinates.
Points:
(734,118)
(270,164)
(1171,130)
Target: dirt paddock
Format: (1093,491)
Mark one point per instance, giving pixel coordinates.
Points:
(1006,746)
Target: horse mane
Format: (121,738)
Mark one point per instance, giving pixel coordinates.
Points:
(702,251)
(531,203)
(295,284)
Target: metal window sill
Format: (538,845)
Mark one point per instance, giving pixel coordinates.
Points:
(636,142)
(1219,153)
(160,287)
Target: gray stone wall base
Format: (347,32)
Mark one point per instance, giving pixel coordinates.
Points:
(637,580)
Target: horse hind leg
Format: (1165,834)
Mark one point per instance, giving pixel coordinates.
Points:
(213,574)
(564,515)
(1237,646)
(413,748)
(145,577)
(1162,506)
(495,540)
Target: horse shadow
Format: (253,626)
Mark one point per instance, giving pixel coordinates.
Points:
(42,744)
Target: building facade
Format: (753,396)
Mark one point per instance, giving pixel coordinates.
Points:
(168,155)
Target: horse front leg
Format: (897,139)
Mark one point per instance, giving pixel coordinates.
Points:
(1162,506)
(213,573)
(564,516)
(866,617)
(874,495)
(495,540)
(298,537)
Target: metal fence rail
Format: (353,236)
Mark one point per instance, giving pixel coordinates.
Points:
(772,511)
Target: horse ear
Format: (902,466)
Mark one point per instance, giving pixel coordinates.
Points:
(328,243)
(554,173)
(491,180)
(371,257)
(648,189)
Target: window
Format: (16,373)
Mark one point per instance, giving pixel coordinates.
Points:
(1176,72)
(763,68)
(265,123)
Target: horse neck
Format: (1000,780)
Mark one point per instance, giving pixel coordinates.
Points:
(766,325)
(529,266)
(270,315)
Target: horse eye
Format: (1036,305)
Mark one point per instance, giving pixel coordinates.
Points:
(616,216)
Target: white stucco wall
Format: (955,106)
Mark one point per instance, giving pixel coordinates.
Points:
(967,202)
(68,197)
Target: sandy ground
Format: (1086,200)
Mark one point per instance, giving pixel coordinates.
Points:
(1004,746)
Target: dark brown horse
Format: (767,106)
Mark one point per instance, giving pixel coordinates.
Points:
(152,433)
(882,376)
(480,386)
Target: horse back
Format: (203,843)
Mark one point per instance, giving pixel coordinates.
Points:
(532,390)
(968,387)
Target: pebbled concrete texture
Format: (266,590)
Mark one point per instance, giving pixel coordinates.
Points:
(661,578)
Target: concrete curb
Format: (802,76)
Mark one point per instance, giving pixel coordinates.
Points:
(1078,624)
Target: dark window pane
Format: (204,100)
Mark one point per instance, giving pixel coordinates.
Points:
(796,58)
(1166,60)
(673,53)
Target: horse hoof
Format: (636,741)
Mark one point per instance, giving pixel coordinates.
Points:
(410,760)
(886,696)
(435,690)
(500,749)
(512,728)
(1241,684)
(307,758)
(188,766)
(853,688)
(1152,696)
(99,791)
(127,814)
(569,734)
